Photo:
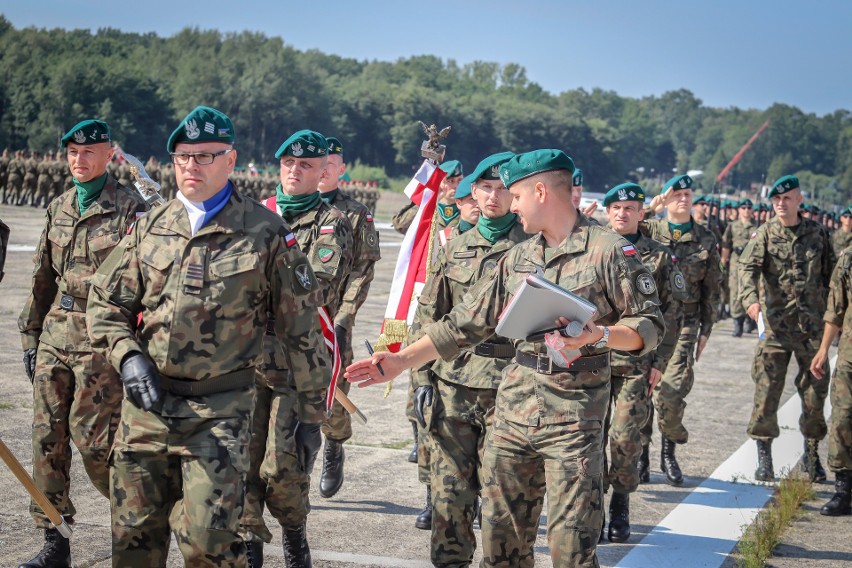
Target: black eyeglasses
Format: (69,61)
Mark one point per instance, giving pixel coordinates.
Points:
(201,158)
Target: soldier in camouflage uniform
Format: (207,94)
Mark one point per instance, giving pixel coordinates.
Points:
(204,270)
(633,378)
(4,173)
(736,237)
(283,449)
(547,432)
(42,195)
(454,400)
(365,254)
(28,189)
(447,213)
(15,180)
(842,237)
(838,317)
(697,253)
(786,269)
(76,392)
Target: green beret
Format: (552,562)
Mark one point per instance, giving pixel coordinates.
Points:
(699,199)
(578,178)
(464,189)
(203,124)
(784,184)
(87,132)
(334,145)
(529,164)
(453,168)
(624,192)
(678,182)
(847,211)
(489,168)
(745,202)
(304,144)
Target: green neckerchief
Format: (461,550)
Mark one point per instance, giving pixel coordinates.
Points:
(329,196)
(292,205)
(634,238)
(464,226)
(448,212)
(677,230)
(495,229)
(89,191)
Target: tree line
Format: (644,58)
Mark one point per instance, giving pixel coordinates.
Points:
(143,84)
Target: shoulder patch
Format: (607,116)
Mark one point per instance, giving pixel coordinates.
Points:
(325,254)
(290,240)
(326,229)
(645,283)
(629,250)
(304,277)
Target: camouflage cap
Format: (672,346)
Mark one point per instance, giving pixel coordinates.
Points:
(529,164)
(624,192)
(784,184)
(453,168)
(464,189)
(87,132)
(203,124)
(682,181)
(489,168)
(578,177)
(334,145)
(304,144)
(699,199)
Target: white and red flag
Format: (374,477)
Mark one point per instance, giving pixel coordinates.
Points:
(409,276)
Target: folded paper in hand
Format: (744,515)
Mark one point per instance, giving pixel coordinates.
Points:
(537,305)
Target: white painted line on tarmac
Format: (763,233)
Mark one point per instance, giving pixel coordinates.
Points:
(350,558)
(21,248)
(706,526)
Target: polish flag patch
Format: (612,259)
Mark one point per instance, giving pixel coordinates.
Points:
(629,250)
(327,230)
(369,218)
(290,239)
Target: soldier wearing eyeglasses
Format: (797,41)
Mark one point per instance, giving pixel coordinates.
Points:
(204,270)
(76,392)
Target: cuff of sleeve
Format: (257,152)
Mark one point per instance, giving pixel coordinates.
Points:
(120,351)
(646,330)
(420,378)
(311,407)
(346,321)
(828,318)
(706,329)
(29,341)
(443,340)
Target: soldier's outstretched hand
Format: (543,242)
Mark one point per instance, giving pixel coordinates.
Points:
(366,371)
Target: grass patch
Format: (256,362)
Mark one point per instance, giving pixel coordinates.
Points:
(761,538)
(6,406)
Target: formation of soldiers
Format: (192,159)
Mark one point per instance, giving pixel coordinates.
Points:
(187,351)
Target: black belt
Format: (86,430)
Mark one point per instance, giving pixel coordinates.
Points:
(543,364)
(223,383)
(71,304)
(495,350)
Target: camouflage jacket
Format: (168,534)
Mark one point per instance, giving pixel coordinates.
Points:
(837,310)
(592,263)
(795,267)
(840,239)
(671,289)
(402,220)
(71,249)
(736,237)
(15,167)
(463,261)
(365,254)
(698,259)
(204,299)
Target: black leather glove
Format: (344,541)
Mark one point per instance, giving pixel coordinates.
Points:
(308,443)
(141,381)
(342,338)
(422,398)
(29,363)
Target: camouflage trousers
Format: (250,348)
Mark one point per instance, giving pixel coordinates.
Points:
(184,470)
(628,412)
(669,395)
(734,274)
(457,424)
(14,183)
(769,371)
(76,397)
(840,434)
(519,464)
(338,427)
(276,479)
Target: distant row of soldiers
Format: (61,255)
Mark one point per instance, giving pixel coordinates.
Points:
(34,179)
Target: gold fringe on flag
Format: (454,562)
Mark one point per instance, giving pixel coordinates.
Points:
(394,331)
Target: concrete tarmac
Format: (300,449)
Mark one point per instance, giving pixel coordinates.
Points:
(371,520)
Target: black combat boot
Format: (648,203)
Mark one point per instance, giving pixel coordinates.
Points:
(764,471)
(750,325)
(738,326)
(810,461)
(412,457)
(254,553)
(841,503)
(424,519)
(332,468)
(644,466)
(56,552)
(297,553)
(603,527)
(668,463)
(619,517)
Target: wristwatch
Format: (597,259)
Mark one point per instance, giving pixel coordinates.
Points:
(604,341)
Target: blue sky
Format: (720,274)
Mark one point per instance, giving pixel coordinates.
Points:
(743,53)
